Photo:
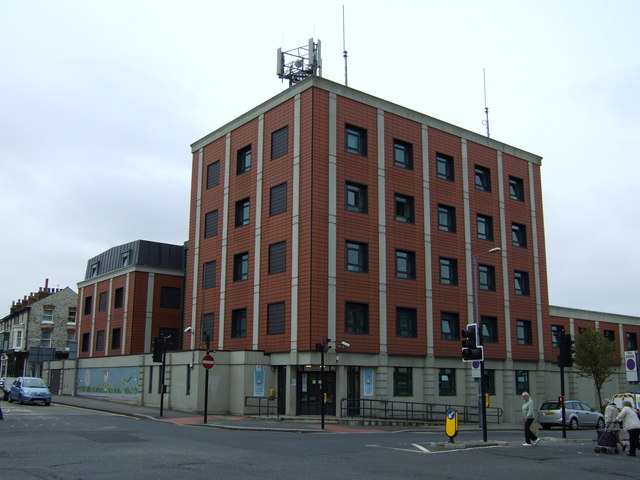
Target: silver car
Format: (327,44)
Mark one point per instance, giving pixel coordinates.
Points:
(579,414)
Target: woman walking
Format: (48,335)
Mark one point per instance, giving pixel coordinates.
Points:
(630,422)
(528,413)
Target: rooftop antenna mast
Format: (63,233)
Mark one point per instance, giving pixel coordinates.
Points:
(299,63)
(485,122)
(344,50)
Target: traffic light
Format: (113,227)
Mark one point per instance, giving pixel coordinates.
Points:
(567,350)
(470,348)
(560,401)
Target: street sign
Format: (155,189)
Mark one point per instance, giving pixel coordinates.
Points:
(631,364)
(208,362)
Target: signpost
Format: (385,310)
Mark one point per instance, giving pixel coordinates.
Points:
(208,362)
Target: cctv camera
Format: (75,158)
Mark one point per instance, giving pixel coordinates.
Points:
(188,330)
(345,344)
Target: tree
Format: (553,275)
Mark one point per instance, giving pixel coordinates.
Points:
(596,358)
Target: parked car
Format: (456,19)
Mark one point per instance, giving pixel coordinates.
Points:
(579,414)
(30,390)
(5,386)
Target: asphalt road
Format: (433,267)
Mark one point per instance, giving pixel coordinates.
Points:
(62,443)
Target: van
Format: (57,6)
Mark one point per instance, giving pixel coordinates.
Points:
(633,397)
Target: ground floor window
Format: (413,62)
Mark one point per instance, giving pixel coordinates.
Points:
(447,382)
(522,381)
(402,382)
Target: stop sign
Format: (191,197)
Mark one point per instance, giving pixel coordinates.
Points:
(208,361)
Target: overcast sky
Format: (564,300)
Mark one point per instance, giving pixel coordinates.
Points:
(100,101)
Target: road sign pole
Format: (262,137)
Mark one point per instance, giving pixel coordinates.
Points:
(206,381)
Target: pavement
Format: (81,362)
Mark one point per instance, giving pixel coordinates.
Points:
(310,424)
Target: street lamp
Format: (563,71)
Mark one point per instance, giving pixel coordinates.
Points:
(483,406)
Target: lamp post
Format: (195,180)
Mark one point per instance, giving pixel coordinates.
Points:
(483,406)
(322,347)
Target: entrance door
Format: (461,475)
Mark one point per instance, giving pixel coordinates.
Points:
(310,395)
(353,391)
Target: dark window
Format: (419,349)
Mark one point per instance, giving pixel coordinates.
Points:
(275,318)
(171,337)
(356,318)
(524,332)
(211,224)
(609,335)
(277,257)
(94,270)
(444,167)
(487,277)
(450,325)
(118,298)
(521,282)
(357,257)
(88,302)
(125,259)
(244,160)
(85,342)
(402,382)
(516,189)
(115,338)
(522,381)
(447,382)
(402,154)
(170,297)
(280,142)
(489,329)
(102,302)
(243,208)
(632,341)
(448,271)
(555,331)
(209,275)
(278,199)
(446,218)
(404,210)
(239,323)
(406,264)
(490,382)
(483,178)
(207,327)
(356,197)
(241,266)
(356,140)
(100,341)
(213,174)
(485,227)
(518,235)
(406,322)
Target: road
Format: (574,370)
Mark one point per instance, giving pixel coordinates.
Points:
(64,443)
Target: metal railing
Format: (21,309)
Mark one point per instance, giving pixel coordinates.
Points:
(261,406)
(413,411)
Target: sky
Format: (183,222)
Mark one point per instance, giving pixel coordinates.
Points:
(100,101)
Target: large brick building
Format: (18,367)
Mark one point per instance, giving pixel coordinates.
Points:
(326,213)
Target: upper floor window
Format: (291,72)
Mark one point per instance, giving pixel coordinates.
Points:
(356,318)
(406,322)
(484,225)
(280,142)
(211,224)
(100,341)
(213,174)
(524,332)
(277,257)
(71,317)
(241,267)
(404,210)
(446,218)
(516,189)
(357,256)
(275,318)
(521,282)
(405,264)
(88,305)
(356,197)
(402,154)
(632,341)
(125,259)
(47,316)
(450,326)
(555,331)
(609,335)
(444,167)
(45,339)
(489,329)
(116,334)
(209,274)
(118,299)
(448,271)
(170,297)
(518,235)
(243,208)
(94,270)
(239,323)
(356,140)
(244,160)
(482,178)
(487,277)
(278,199)
(102,301)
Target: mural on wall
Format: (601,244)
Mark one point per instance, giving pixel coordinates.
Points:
(117,382)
